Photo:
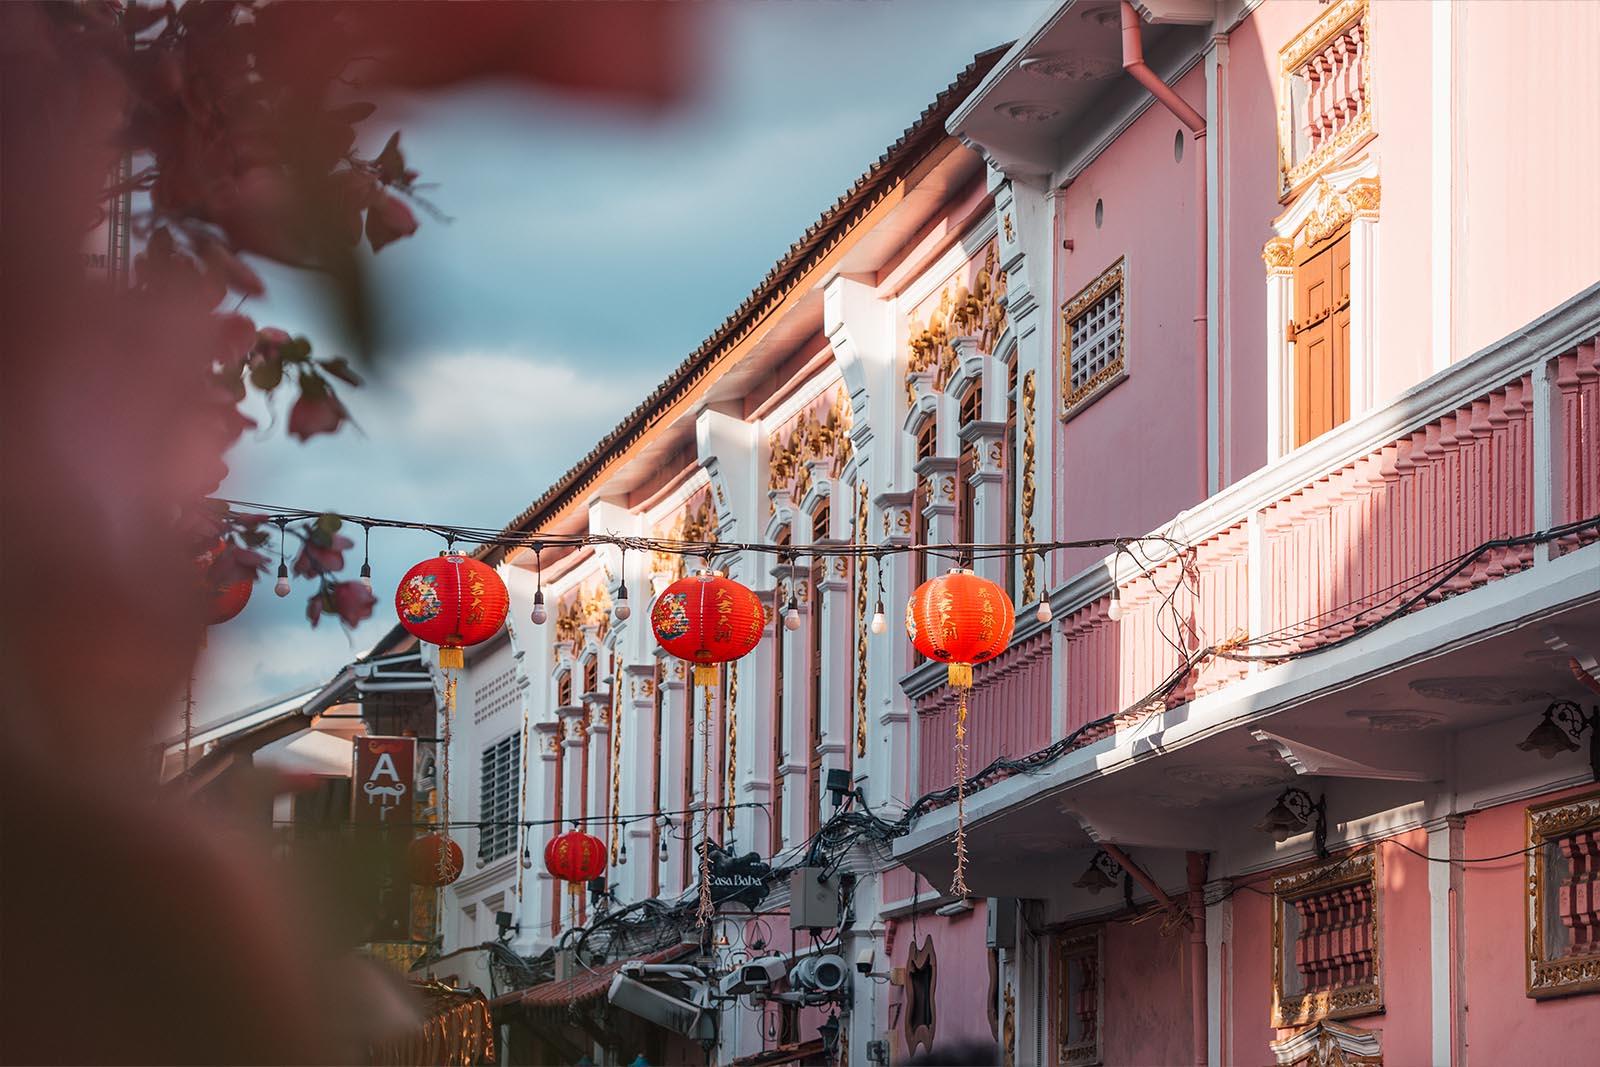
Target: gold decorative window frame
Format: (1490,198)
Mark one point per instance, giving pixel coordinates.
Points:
(1347,1001)
(1564,975)
(1086,944)
(1293,175)
(1075,400)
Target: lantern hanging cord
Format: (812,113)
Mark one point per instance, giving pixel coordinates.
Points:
(246,513)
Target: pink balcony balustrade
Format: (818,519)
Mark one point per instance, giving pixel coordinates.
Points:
(1008,713)
(1577,380)
(1185,603)
(1307,553)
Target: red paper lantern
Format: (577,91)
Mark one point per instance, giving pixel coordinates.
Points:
(575,857)
(452,601)
(707,619)
(960,619)
(434,860)
(226,599)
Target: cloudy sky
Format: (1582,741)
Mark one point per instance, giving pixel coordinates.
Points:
(586,254)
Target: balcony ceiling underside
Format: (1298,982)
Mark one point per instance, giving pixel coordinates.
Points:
(1055,91)
(1378,740)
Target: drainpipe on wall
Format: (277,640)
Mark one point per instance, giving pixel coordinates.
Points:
(1133,62)
(1197,954)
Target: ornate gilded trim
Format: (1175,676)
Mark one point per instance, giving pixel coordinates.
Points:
(696,521)
(1029,492)
(588,606)
(730,713)
(1113,277)
(815,433)
(1335,22)
(1557,976)
(978,313)
(1336,207)
(1278,254)
(862,517)
(1089,947)
(1330,1044)
(1346,1001)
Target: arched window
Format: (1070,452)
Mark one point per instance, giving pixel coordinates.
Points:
(966,464)
(927,444)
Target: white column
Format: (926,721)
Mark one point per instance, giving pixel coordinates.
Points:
(542,888)
(1279,257)
(1219,980)
(1364,311)
(755,713)
(1544,418)
(892,754)
(794,772)
(1445,841)
(674,707)
(638,758)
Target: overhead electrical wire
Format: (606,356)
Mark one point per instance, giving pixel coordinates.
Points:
(850,826)
(244,512)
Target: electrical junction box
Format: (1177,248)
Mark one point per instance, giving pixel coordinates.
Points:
(1002,912)
(813,901)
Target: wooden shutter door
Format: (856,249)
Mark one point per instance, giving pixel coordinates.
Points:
(1322,340)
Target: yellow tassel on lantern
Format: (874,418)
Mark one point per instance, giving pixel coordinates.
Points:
(960,675)
(705,675)
(452,657)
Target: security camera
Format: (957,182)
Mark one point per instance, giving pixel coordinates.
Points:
(819,974)
(864,960)
(757,976)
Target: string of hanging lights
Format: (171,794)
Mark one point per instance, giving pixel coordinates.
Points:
(249,513)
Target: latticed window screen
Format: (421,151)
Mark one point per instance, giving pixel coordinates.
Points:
(1096,338)
(498,798)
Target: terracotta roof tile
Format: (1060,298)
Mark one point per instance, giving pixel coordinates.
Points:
(899,158)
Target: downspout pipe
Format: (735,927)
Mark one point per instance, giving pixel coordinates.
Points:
(1133,62)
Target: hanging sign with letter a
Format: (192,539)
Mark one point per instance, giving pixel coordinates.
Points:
(383,803)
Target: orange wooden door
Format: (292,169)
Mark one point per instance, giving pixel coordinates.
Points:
(1322,340)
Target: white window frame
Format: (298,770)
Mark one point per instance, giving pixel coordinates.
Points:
(490,805)
(1347,195)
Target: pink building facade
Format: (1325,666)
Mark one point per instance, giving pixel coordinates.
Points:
(1292,306)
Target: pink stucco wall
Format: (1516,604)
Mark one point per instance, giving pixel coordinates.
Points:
(1402,91)
(1148,218)
(1147,998)
(1504,1025)
(1405,1022)
(961,1014)
(1528,160)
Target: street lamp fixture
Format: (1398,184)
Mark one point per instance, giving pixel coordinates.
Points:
(1100,874)
(1563,723)
(1293,813)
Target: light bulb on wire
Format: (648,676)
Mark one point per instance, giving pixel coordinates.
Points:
(621,608)
(879,622)
(622,853)
(281,586)
(791,615)
(1114,610)
(527,859)
(1044,614)
(539,613)
(366,556)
